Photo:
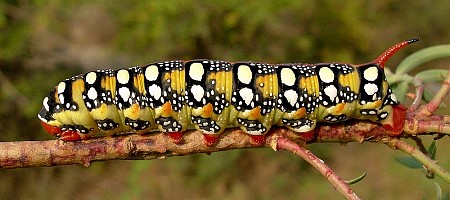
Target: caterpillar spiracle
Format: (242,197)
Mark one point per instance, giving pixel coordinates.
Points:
(211,95)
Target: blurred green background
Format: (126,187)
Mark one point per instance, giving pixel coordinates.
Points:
(45,41)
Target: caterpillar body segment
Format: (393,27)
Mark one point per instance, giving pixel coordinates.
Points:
(211,95)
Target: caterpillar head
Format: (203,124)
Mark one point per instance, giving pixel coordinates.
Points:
(53,126)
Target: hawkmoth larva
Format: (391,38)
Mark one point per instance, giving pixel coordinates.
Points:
(211,96)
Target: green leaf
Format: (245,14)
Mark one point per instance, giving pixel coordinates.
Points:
(432,75)
(356,180)
(438,191)
(400,91)
(422,56)
(432,150)
(409,162)
(446,197)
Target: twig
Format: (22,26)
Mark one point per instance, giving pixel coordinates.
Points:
(419,144)
(338,183)
(424,159)
(418,84)
(131,147)
(431,106)
(157,146)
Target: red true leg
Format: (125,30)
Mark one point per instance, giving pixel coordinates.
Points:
(52,130)
(72,135)
(66,135)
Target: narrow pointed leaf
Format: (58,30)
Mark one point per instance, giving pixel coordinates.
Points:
(356,180)
(432,150)
(432,75)
(422,56)
(409,162)
(438,191)
(400,91)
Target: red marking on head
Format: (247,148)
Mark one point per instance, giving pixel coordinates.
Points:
(398,120)
(382,59)
(211,139)
(52,130)
(258,139)
(177,137)
(71,135)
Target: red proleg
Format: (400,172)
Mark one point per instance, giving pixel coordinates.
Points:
(177,137)
(211,139)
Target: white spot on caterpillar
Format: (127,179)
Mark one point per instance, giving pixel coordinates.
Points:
(196,71)
(91,77)
(123,76)
(151,73)
(326,75)
(42,119)
(371,73)
(124,92)
(61,87)
(198,92)
(246,95)
(92,93)
(155,91)
(45,103)
(393,97)
(370,88)
(331,92)
(304,128)
(287,77)
(244,74)
(61,99)
(291,97)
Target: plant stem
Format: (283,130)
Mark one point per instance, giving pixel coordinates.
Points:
(424,159)
(338,183)
(430,107)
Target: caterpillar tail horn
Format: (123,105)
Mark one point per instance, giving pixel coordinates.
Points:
(384,57)
(395,123)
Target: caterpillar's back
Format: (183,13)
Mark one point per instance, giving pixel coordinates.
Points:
(211,95)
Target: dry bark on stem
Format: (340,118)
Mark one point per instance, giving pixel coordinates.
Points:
(152,146)
(131,147)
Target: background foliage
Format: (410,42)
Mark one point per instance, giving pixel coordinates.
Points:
(45,41)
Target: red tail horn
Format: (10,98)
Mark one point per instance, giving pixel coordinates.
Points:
(382,59)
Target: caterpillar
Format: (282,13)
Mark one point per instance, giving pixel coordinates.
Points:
(211,95)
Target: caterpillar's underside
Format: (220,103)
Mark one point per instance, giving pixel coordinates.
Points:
(211,96)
